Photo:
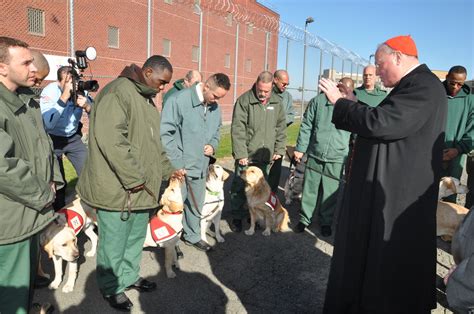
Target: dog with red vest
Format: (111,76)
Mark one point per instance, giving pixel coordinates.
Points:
(164,229)
(59,241)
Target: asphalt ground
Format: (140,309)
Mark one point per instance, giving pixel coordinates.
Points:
(282,273)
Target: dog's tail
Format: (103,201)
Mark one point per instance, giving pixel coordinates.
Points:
(284,221)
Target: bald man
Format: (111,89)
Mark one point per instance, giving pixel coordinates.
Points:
(369,93)
(192,77)
(384,258)
(326,148)
(41,65)
(281,80)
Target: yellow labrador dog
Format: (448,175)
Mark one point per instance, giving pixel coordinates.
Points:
(164,228)
(449,215)
(59,241)
(213,202)
(264,206)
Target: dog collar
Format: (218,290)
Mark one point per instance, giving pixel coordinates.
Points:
(171,213)
(212,192)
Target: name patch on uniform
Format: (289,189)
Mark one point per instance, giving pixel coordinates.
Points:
(270,108)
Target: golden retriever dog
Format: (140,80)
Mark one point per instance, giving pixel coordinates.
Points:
(213,202)
(164,228)
(273,216)
(449,215)
(59,241)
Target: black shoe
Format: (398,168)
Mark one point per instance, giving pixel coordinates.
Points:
(299,227)
(326,231)
(142,285)
(201,245)
(179,253)
(41,281)
(120,302)
(236,225)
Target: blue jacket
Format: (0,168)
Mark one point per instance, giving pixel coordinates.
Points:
(60,119)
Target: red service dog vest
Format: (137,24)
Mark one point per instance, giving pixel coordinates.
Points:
(74,220)
(272,201)
(160,230)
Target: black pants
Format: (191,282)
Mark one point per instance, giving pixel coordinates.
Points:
(75,150)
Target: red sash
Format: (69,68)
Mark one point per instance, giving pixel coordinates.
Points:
(160,230)
(272,201)
(74,220)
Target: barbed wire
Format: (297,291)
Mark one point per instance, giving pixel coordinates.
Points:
(240,14)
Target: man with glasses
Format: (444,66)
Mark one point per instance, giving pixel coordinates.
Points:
(281,81)
(384,258)
(459,134)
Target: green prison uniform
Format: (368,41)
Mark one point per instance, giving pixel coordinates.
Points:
(120,249)
(18,268)
(459,132)
(326,148)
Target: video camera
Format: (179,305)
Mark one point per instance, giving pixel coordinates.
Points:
(80,86)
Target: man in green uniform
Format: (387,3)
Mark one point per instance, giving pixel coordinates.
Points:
(459,135)
(190,135)
(281,81)
(369,93)
(192,77)
(28,180)
(258,134)
(123,172)
(327,149)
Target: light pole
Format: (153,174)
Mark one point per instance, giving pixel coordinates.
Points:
(309,20)
(199,10)
(370,58)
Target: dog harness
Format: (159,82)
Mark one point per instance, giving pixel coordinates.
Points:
(74,220)
(272,201)
(218,201)
(161,231)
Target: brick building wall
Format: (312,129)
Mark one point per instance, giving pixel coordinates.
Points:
(178,22)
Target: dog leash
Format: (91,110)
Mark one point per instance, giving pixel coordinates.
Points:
(128,203)
(193,198)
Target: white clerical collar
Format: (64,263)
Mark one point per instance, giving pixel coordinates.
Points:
(411,69)
(199,92)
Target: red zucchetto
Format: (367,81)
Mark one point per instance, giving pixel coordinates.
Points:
(404,44)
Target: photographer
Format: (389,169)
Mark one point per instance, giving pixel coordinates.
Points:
(62,116)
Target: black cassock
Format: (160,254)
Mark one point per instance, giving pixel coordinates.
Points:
(384,257)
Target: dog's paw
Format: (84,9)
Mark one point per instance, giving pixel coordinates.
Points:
(249,232)
(170,274)
(54,285)
(220,238)
(266,232)
(90,254)
(68,288)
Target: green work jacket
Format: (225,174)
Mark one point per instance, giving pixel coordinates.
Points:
(372,98)
(258,131)
(287,103)
(177,86)
(28,166)
(186,127)
(125,149)
(318,137)
(460,122)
